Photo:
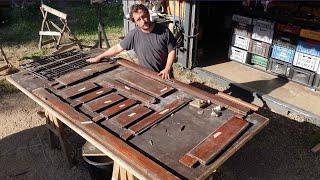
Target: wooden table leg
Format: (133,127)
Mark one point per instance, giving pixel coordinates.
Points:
(56,127)
(120,173)
(316,148)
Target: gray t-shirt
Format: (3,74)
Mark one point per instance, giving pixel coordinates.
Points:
(152,48)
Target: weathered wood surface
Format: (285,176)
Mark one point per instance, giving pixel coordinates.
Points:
(82,74)
(78,89)
(103,102)
(92,95)
(56,103)
(118,108)
(129,91)
(54,11)
(209,148)
(158,116)
(163,143)
(145,84)
(187,88)
(132,115)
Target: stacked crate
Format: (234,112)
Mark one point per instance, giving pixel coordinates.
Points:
(261,42)
(283,49)
(307,58)
(242,30)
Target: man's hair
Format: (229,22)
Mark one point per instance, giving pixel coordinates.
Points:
(135,8)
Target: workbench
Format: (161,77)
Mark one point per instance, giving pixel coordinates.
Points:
(151,131)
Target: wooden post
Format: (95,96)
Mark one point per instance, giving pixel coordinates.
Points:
(120,173)
(316,148)
(55,126)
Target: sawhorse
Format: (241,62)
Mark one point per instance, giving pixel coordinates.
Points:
(58,34)
(57,129)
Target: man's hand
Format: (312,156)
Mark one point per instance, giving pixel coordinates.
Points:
(165,74)
(94,60)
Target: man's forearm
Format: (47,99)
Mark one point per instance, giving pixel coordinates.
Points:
(171,58)
(114,50)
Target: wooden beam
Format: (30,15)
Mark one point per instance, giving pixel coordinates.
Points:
(54,11)
(49,33)
(316,148)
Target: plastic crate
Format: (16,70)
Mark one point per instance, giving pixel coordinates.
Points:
(279,67)
(263,23)
(283,51)
(302,76)
(241,30)
(316,83)
(309,47)
(306,61)
(310,34)
(288,28)
(259,60)
(237,54)
(241,19)
(285,38)
(240,42)
(259,48)
(263,31)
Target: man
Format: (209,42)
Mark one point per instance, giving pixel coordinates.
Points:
(153,43)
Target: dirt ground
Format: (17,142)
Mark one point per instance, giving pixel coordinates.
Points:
(279,151)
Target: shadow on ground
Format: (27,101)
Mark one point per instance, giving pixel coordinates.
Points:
(282,150)
(27,155)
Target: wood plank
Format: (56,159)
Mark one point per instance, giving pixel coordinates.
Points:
(63,108)
(140,164)
(101,67)
(129,91)
(118,108)
(84,73)
(156,117)
(103,102)
(91,96)
(77,89)
(239,101)
(186,88)
(115,127)
(316,148)
(131,115)
(209,148)
(74,77)
(49,33)
(128,157)
(145,84)
(188,161)
(54,11)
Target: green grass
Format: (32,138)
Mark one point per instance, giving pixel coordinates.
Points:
(21,25)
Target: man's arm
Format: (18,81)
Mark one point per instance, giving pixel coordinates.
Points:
(114,50)
(165,73)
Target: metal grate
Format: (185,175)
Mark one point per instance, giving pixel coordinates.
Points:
(51,67)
